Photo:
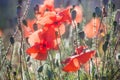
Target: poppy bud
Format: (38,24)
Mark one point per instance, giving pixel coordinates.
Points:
(105,2)
(25,22)
(113,6)
(36,9)
(82,34)
(12,40)
(73,14)
(19,11)
(14,73)
(28,58)
(35,27)
(98,11)
(20,2)
(94,14)
(115,25)
(40,69)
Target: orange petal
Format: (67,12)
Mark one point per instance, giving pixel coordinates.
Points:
(83,58)
(79,14)
(34,37)
(72,66)
(93,28)
(34,49)
(26,31)
(60,29)
(39,56)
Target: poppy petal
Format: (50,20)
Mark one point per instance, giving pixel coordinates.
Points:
(72,66)
(34,37)
(39,56)
(34,49)
(93,28)
(83,58)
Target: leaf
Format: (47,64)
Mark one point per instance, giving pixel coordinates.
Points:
(73,14)
(40,69)
(57,63)
(100,47)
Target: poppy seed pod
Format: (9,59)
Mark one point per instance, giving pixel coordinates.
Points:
(24,22)
(98,11)
(73,14)
(35,27)
(105,2)
(19,11)
(12,40)
(20,2)
(36,9)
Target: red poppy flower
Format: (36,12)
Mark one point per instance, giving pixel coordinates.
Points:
(80,59)
(38,51)
(50,36)
(93,28)
(72,65)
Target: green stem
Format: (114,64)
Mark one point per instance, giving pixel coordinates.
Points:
(78,74)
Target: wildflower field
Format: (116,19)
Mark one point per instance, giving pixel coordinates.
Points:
(60,40)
